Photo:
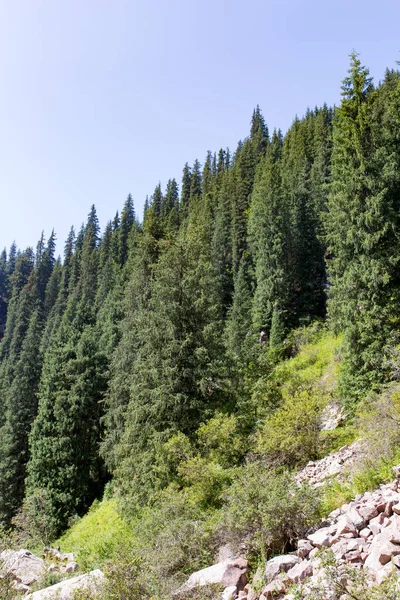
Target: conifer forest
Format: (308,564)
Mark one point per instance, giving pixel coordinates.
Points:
(148,366)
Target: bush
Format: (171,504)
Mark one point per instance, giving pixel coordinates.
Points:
(291,435)
(267,510)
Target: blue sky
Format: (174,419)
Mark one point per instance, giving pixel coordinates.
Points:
(102,98)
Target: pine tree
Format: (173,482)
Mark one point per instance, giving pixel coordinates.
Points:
(177,365)
(185,192)
(362,227)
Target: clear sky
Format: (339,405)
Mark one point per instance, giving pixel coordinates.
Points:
(100,98)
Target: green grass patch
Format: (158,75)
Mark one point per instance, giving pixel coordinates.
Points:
(97,536)
(314,365)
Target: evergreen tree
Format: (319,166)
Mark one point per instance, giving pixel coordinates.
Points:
(362,226)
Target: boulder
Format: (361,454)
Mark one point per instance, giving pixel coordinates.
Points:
(300,572)
(279,564)
(346,525)
(274,589)
(22,565)
(321,538)
(367,512)
(304,548)
(66,590)
(228,573)
(229,593)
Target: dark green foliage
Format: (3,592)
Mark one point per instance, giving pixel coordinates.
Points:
(363,224)
(178,367)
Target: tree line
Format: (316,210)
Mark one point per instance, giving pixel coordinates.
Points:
(147,330)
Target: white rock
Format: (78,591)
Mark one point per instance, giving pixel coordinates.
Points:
(229,593)
(321,538)
(227,573)
(279,564)
(66,590)
(22,565)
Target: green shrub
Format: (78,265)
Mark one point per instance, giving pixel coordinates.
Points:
(221,440)
(267,510)
(291,435)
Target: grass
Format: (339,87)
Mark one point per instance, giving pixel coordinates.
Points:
(314,365)
(96,537)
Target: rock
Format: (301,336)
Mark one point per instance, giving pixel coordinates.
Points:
(383,574)
(357,518)
(228,573)
(71,567)
(367,512)
(321,538)
(331,417)
(21,587)
(251,594)
(387,551)
(304,548)
(279,564)
(388,509)
(274,589)
(396,471)
(300,572)
(225,552)
(396,508)
(345,525)
(24,566)
(229,593)
(365,533)
(66,590)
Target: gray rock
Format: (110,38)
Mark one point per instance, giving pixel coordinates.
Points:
(304,548)
(279,564)
(229,593)
(22,565)
(66,590)
(228,573)
(300,572)
(321,538)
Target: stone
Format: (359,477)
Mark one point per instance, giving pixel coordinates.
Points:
(300,572)
(357,518)
(66,590)
(279,564)
(383,574)
(21,587)
(388,509)
(321,538)
(274,589)
(396,508)
(365,533)
(367,512)
(250,591)
(387,551)
(345,525)
(22,565)
(304,548)
(229,593)
(228,573)
(71,567)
